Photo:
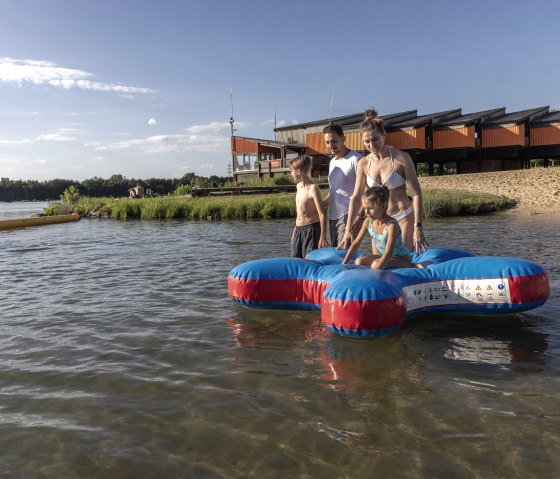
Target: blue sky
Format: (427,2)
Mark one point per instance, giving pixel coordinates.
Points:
(142,88)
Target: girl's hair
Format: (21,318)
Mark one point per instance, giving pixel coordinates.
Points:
(372,121)
(377,194)
(302,163)
(333,128)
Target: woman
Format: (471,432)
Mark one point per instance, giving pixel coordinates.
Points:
(394,169)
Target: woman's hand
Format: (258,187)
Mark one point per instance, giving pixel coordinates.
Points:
(420,243)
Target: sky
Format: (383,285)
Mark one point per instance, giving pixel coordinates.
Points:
(145,89)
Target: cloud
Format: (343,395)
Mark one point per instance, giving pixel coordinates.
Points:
(15,142)
(212,137)
(152,121)
(47,73)
(214,127)
(42,137)
(55,137)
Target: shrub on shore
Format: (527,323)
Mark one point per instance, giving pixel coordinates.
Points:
(437,203)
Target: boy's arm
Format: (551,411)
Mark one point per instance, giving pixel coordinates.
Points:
(355,244)
(389,247)
(316,195)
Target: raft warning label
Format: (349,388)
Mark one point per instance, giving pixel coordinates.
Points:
(457,291)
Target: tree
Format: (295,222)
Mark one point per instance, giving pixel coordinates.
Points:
(70,196)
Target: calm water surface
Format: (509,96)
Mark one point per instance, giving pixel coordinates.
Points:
(121,355)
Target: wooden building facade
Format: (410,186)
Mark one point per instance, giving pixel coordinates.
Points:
(448,141)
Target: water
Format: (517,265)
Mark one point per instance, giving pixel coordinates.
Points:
(21,209)
(122,356)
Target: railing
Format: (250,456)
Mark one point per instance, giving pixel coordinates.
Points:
(247,190)
(247,167)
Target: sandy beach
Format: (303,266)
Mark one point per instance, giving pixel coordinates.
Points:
(536,190)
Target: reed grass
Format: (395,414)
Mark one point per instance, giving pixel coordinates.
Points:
(441,203)
(437,203)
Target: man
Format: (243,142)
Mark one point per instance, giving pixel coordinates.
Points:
(342,178)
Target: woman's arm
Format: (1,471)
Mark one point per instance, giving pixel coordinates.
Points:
(413,184)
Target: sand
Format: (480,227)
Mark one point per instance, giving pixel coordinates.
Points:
(536,190)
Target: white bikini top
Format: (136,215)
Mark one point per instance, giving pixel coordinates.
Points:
(392,180)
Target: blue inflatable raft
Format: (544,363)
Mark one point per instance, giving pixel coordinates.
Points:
(357,301)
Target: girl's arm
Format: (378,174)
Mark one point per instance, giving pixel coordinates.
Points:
(316,195)
(354,206)
(414,186)
(393,230)
(356,243)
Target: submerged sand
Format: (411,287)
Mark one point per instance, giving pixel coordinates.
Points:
(535,190)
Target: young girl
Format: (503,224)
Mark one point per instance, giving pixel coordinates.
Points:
(387,245)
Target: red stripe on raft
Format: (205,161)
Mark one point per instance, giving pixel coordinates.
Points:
(526,289)
(275,290)
(363,315)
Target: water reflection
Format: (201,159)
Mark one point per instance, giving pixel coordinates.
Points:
(504,341)
(340,364)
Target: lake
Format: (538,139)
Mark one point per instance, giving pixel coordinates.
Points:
(122,356)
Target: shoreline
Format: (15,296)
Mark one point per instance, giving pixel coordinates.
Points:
(536,190)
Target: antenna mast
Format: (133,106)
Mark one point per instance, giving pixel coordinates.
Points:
(231,120)
(332,98)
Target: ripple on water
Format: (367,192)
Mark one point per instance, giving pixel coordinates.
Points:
(122,356)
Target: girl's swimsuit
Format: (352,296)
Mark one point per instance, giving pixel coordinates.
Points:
(380,240)
(392,180)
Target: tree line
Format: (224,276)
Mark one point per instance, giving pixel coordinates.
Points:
(116,186)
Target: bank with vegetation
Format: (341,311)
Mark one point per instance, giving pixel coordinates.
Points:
(437,203)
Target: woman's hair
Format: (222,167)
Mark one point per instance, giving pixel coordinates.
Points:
(333,128)
(302,163)
(377,194)
(372,121)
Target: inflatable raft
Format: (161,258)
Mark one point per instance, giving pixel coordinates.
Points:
(357,301)
(37,221)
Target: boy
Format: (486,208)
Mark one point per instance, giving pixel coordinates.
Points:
(311,223)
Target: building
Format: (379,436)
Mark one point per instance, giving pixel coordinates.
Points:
(442,142)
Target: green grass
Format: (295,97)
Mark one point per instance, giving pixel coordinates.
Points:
(437,203)
(170,207)
(440,203)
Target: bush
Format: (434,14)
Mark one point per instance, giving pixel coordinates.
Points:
(182,190)
(70,196)
(283,180)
